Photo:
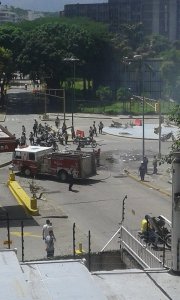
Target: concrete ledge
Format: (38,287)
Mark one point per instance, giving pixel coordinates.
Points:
(21,196)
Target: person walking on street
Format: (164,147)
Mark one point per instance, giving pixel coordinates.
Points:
(23,139)
(90,132)
(57,122)
(155,161)
(49,240)
(145,161)
(66,137)
(35,128)
(46,228)
(100,125)
(31,138)
(142,171)
(72,132)
(78,147)
(23,130)
(64,127)
(70,180)
(94,129)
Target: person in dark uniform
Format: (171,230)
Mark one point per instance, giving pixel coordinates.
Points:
(70,180)
(142,171)
(78,147)
(155,161)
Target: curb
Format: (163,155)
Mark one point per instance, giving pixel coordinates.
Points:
(29,203)
(159,189)
(6,164)
(130,137)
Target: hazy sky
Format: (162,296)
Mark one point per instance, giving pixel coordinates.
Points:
(46,5)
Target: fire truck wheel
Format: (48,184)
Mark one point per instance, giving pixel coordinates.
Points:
(27,172)
(63,175)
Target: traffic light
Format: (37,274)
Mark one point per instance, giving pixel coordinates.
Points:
(157,107)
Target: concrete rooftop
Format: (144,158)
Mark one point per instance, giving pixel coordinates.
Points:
(70,279)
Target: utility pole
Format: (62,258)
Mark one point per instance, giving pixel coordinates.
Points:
(160,121)
(73,61)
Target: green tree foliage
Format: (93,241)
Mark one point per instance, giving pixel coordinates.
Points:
(5,63)
(174,117)
(171,71)
(48,44)
(159,44)
(124,94)
(6,67)
(39,47)
(133,33)
(12,38)
(104,93)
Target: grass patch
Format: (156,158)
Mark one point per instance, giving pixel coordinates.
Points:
(116,108)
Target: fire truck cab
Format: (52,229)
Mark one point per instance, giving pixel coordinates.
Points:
(34,160)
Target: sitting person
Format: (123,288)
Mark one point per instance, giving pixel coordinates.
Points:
(148,233)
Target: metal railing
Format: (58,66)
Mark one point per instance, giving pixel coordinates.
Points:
(141,253)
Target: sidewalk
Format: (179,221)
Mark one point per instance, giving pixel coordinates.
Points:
(160,182)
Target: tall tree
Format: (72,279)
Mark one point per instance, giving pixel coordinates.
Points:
(6,69)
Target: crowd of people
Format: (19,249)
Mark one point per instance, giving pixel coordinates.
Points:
(93,129)
(44,135)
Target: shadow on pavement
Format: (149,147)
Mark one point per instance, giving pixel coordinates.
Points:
(16,214)
(87,181)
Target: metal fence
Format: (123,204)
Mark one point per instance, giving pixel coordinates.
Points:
(142,253)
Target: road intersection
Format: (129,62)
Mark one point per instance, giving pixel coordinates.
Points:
(95,204)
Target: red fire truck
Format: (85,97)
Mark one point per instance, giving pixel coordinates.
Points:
(34,160)
(7,140)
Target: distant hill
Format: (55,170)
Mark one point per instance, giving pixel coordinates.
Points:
(45,5)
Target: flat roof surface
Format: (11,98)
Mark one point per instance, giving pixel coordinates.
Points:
(137,284)
(65,279)
(70,279)
(12,283)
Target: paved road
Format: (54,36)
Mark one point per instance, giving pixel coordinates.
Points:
(96,204)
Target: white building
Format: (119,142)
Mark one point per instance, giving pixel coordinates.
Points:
(6,15)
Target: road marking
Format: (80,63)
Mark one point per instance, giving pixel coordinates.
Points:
(18,234)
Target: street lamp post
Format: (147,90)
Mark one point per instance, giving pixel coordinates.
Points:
(160,121)
(73,60)
(139,58)
(143,135)
(141,65)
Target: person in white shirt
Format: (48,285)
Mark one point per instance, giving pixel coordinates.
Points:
(49,240)
(46,228)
